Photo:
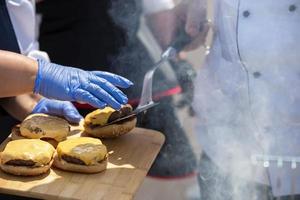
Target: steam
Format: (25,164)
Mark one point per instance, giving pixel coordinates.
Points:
(133,61)
(228,127)
(229,130)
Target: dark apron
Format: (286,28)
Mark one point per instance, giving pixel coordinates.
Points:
(8,39)
(8,42)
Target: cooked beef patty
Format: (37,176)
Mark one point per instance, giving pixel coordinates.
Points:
(125,111)
(73,160)
(19,162)
(115,115)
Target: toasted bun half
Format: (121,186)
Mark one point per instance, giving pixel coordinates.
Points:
(110,131)
(88,169)
(16,135)
(25,171)
(38,126)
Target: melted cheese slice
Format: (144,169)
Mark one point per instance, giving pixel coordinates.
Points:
(89,150)
(38,126)
(99,116)
(36,150)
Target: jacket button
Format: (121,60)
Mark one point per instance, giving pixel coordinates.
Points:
(292,8)
(246,13)
(256,74)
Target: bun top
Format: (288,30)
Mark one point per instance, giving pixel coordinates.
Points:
(89,150)
(35,150)
(38,126)
(99,116)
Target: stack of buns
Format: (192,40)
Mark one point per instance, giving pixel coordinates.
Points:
(32,150)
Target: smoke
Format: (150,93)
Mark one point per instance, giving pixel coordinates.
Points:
(176,157)
(228,133)
(233,109)
(225,124)
(246,98)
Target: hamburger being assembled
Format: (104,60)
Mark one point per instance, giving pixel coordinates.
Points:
(81,154)
(27,157)
(42,126)
(95,123)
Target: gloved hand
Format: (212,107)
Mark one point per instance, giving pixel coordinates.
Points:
(189,15)
(59,108)
(71,84)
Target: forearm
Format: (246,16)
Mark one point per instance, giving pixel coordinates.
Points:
(17,75)
(20,106)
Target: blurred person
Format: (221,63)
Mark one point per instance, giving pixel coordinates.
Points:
(247,102)
(96,33)
(25,75)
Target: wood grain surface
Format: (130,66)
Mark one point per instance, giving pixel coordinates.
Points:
(130,157)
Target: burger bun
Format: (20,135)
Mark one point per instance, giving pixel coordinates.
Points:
(112,130)
(16,135)
(91,169)
(26,171)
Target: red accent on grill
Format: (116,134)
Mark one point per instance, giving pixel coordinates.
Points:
(134,102)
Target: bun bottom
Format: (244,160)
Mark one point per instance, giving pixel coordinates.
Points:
(25,171)
(111,131)
(16,135)
(64,165)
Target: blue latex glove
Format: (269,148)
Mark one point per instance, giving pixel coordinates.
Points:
(59,108)
(71,84)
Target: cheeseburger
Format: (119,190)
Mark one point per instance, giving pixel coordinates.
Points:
(27,157)
(42,126)
(81,154)
(95,123)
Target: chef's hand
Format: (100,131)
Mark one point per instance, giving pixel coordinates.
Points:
(59,108)
(189,15)
(71,84)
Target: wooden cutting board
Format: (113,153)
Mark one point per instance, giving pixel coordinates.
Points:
(129,161)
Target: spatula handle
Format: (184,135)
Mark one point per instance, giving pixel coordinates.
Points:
(181,40)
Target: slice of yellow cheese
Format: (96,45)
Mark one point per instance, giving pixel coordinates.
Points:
(89,150)
(36,150)
(99,116)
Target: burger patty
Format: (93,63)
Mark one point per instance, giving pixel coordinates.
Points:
(93,126)
(19,162)
(124,111)
(114,116)
(73,160)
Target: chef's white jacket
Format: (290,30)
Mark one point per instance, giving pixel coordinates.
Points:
(248,92)
(23,18)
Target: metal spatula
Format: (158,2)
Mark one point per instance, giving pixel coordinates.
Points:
(176,46)
(146,101)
